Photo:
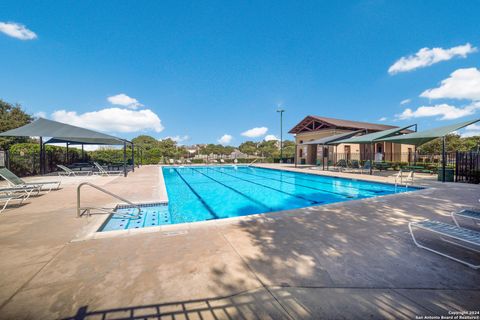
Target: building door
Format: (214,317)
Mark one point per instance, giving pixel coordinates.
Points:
(379,152)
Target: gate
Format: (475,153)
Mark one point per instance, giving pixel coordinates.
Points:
(467,167)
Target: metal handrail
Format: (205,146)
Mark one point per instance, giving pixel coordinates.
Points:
(79,208)
(252,162)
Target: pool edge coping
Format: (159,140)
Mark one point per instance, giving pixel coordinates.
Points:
(183,228)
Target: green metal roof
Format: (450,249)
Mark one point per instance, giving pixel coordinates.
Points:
(376,136)
(332,140)
(62,131)
(419,138)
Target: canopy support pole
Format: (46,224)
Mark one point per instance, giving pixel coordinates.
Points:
(296,154)
(42,169)
(323,156)
(124,159)
(66,156)
(444,164)
(133,157)
(371,158)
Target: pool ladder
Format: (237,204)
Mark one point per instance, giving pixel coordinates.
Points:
(408,178)
(256,159)
(82,210)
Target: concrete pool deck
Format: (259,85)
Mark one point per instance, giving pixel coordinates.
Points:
(345,260)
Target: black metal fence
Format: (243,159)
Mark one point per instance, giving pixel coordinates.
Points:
(395,161)
(467,167)
(27,162)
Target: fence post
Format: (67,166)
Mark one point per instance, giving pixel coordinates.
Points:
(456,165)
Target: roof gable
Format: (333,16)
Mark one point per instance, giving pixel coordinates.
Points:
(315,123)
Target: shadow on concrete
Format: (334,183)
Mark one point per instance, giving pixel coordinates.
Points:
(249,305)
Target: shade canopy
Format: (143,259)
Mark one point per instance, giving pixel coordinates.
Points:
(333,140)
(94,141)
(375,136)
(419,138)
(63,133)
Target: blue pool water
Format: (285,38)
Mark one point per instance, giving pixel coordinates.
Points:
(217,192)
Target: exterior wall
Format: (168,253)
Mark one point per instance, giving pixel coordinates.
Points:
(313,154)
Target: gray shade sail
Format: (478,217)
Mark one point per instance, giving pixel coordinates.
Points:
(376,136)
(333,140)
(419,138)
(78,141)
(62,131)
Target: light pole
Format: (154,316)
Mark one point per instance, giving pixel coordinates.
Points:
(281,133)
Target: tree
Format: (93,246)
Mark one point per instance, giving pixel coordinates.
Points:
(216,149)
(269,148)
(288,149)
(12,116)
(248,147)
(454,142)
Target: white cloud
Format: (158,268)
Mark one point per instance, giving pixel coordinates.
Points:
(383,119)
(472,130)
(255,132)
(18,31)
(445,111)
(405,101)
(178,139)
(462,84)
(426,57)
(225,139)
(40,114)
(112,120)
(123,100)
(270,137)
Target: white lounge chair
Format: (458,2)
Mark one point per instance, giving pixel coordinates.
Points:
(27,191)
(15,181)
(171,161)
(222,161)
(103,172)
(67,172)
(7,198)
(471,214)
(463,238)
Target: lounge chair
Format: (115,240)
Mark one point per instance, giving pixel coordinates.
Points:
(222,161)
(15,181)
(103,172)
(471,214)
(27,191)
(7,198)
(214,161)
(188,161)
(171,161)
(366,167)
(352,166)
(340,165)
(235,161)
(67,172)
(464,238)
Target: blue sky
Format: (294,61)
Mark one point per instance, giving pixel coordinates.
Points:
(200,70)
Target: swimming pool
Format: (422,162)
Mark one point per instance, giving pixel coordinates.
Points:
(217,192)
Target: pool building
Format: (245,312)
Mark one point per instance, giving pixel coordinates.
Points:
(310,134)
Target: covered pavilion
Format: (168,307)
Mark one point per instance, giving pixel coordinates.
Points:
(59,132)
